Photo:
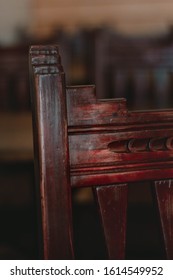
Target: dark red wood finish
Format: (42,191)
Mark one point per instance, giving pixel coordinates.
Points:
(164,194)
(112,202)
(84,142)
(50,120)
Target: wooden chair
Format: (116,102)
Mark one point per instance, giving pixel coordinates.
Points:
(83,142)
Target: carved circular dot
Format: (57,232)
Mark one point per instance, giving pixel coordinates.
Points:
(119,146)
(138,145)
(157,144)
(169,143)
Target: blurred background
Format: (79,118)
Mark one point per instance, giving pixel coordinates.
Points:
(125,47)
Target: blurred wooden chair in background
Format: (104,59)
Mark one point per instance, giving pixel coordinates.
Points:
(15,109)
(16,156)
(82,142)
(139,69)
(14,79)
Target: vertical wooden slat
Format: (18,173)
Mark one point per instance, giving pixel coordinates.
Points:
(141,87)
(120,78)
(164,195)
(51,151)
(4,92)
(161,79)
(22,93)
(112,204)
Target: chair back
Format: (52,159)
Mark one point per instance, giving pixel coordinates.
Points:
(82,142)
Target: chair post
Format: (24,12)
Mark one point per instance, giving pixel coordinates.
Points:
(52,159)
(164,198)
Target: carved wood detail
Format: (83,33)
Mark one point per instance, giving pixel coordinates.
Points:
(142,145)
(46,60)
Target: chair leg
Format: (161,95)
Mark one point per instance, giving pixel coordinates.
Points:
(112,205)
(164,196)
